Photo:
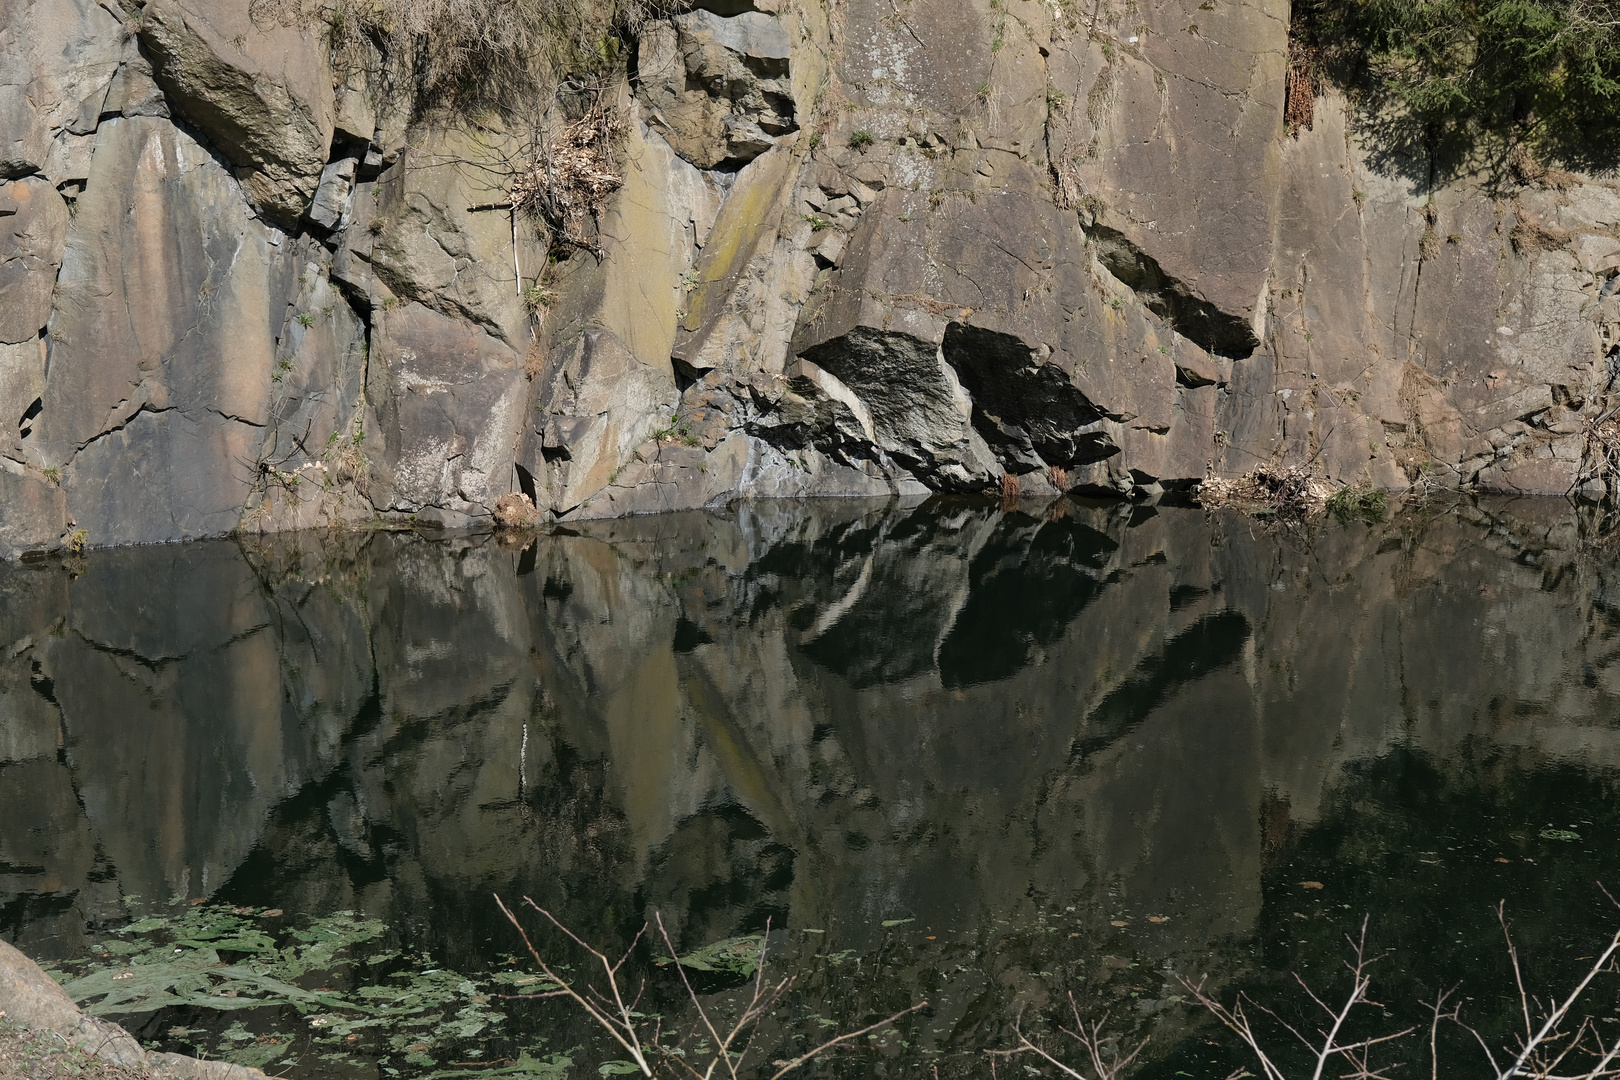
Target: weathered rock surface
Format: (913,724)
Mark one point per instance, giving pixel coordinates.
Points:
(33,512)
(57,61)
(33,229)
(449,401)
(439,231)
(857,249)
(160,346)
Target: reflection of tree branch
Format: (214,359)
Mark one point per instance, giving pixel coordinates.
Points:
(1543,1049)
(729,1050)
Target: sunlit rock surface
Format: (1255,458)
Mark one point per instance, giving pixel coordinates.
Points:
(865,249)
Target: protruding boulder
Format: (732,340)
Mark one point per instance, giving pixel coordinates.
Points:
(56,61)
(261,91)
(330,210)
(718,86)
(30,998)
(33,512)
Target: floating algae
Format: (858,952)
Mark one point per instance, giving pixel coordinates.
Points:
(737,956)
(306,989)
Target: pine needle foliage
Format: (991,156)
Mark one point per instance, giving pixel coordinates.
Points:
(1453,78)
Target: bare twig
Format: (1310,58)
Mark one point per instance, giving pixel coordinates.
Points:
(830,1043)
(1546,1050)
(1327,1046)
(1550,1027)
(1089,1035)
(622,1027)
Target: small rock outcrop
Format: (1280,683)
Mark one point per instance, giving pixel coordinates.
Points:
(32,999)
(849,249)
(718,86)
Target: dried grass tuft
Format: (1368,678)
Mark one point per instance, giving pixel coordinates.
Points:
(578,170)
(510,55)
(1603,450)
(41,1055)
(1010,492)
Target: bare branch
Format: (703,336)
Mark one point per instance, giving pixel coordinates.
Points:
(830,1043)
(622,1029)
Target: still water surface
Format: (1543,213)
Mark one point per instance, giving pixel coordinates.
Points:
(984,759)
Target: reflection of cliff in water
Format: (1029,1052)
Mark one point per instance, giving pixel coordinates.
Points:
(826,716)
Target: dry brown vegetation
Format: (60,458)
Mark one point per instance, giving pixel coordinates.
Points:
(1603,448)
(1268,486)
(510,54)
(549,71)
(43,1055)
(577,169)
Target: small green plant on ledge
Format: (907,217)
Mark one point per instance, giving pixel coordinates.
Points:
(862,139)
(537,297)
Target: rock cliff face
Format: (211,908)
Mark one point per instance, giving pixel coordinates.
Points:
(861,247)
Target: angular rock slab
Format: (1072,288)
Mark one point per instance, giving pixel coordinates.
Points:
(56,61)
(164,475)
(443,235)
(33,513)
(718,87)
(606,381)
(33,227)
(1174,140)
(448,401)
(160,341)
(22,384)
(262,92)
(994,279)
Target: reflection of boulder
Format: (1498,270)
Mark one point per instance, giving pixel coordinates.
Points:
(1207,646)
(896,591)
(720,873)
(831,715)
(1026,586)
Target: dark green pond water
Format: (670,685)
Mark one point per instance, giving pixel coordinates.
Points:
(943,752)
